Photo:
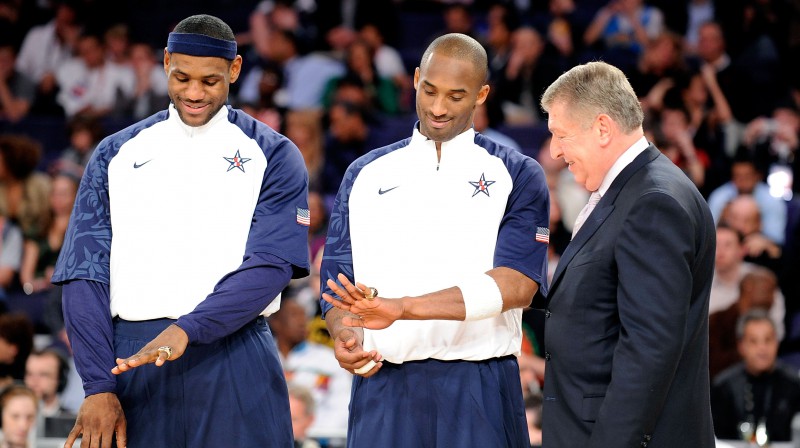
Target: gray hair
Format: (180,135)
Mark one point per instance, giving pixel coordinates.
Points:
(596,88)
(753,315)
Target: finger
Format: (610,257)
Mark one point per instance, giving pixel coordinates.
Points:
(73,435)
(162,358)
(374,370)
(351,288)
(105,442)
(337,303)
(122,434)
(339,291)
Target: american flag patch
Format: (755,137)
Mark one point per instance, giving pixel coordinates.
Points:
(543,235)
(303,216)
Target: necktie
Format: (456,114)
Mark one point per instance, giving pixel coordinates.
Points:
(585,212)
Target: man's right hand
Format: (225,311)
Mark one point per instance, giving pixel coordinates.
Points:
(99,418)
(351,355)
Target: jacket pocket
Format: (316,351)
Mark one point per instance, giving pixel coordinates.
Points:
(591,407)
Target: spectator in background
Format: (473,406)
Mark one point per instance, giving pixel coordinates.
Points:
(348,137)
(17,90)
(622,29)
(314,366)
(756,290)
(731,76)
(16,343)
(482,123)
(747,180)
(46,373)
(18,410)
(773,142)
(383,96)
(712,123)
(46,48)
(337,22)
(658,68)
(522,80)
(302,407)
(388,62)
(304,75)
(677,143)
(150,91)
(304,129)
(502,20)
(24,191)
(729,270)
(267,109)
(743,214)
(760,391)
(91,85)
(41,252)
(457,18)
(84,133)
(116,42)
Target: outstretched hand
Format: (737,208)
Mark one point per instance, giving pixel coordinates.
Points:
(375,313)
(173,337)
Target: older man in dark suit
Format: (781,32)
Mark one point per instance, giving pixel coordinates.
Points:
(627,315)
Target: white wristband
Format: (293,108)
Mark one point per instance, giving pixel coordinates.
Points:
(482,298)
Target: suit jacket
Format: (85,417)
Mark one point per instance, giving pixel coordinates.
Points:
(626,330)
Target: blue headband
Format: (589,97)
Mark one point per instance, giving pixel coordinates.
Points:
(201,45)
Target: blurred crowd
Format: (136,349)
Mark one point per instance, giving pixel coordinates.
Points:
(719,83)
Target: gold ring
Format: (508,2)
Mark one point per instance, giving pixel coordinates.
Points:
(166,349)
(371,294)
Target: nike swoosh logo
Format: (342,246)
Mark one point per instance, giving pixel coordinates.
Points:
(382,191)
(138,165)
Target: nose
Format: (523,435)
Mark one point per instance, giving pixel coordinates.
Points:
(439,108)
(555,150)
(195,91)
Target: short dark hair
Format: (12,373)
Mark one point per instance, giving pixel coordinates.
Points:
(459,46)
(206,25)
(754,315)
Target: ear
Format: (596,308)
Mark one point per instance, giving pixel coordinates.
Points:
(416,78)
(236,68)
(604,128)
(166,61)
(483,93)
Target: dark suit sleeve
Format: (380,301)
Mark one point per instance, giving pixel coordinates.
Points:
(654,256)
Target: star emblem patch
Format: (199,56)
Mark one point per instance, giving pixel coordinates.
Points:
(481,185)
(237,161)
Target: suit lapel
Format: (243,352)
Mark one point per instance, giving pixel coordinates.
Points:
(600,213)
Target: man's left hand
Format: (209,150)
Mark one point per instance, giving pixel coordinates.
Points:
(167,346)
(375,313)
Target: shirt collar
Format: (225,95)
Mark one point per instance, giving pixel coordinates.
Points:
(468,136)
(622,161)
(192,131)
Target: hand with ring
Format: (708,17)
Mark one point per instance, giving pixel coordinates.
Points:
(169,345)
(371,311)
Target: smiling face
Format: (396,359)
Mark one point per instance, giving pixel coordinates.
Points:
(579,146)
(448,90)
(198,86)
